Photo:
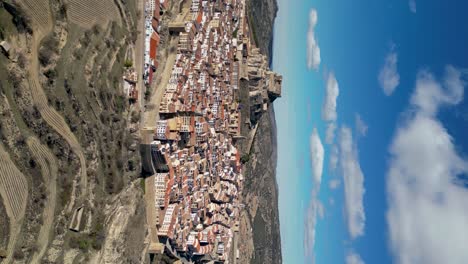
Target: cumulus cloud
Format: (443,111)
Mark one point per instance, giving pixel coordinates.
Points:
(315,208)
(353,181)
(388,77)
(412,6)
(314,212)
(332,91)
(313,49)
(334,157)
(333,184)
(426,180)
(361,126)
(317,153)
(330,132)
(353,258)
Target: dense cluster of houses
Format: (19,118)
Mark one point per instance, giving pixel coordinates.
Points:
(198,179)
(153,11)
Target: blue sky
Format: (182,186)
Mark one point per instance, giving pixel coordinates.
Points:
(399,67)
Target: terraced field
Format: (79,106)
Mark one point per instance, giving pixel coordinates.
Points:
(49,171)
(87,13)
(56,121)
(40,13)
(42,26)
(13,186)
(14,191)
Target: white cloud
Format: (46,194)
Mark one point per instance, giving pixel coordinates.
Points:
(316,155)
(333,157)
(315,208)
(429,94)
(361,126)
(353,180)
(333,184)
(353,258)
(388,77)
(426,180)
(330,132)
(314,211)
(332,91)
(412,6)
(313,49)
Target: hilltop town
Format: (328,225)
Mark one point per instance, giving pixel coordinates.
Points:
(137,131)
(191,155)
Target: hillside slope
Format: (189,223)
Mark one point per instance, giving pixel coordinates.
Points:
(261,192)
(69,134)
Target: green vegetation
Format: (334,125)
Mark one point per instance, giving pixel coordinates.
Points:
(147,94)
(245,158)
(252,28)
(20,19)
(234,33)
(48,49)
(94,239)
(142,185)
(128,63)
(7,27)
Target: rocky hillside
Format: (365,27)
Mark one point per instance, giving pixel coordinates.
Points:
(68,134)
(260,224)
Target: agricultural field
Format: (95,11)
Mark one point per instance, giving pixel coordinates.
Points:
(49,170)
(14,192)
(13,187)
(87,13)
(39,12)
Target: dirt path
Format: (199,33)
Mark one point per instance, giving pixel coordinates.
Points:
(14,191)
(49,171)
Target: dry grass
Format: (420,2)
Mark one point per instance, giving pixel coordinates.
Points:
(87,13)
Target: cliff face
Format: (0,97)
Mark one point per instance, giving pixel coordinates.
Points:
(261,192)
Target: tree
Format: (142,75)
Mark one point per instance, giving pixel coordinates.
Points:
(128,63)
(245,158)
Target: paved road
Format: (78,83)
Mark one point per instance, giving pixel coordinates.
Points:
(161,77)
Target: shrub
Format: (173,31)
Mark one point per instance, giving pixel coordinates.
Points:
(142,185)
(147,94)
(50,43)
(135,117)
(63,10)
(84,245)
(21,20)
(245,158)
(18,254)
(51,74)
(45,56)
(128,63)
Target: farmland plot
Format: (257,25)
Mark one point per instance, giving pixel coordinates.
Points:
(39,10)
(87,13)
(14,191)
(49,171)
